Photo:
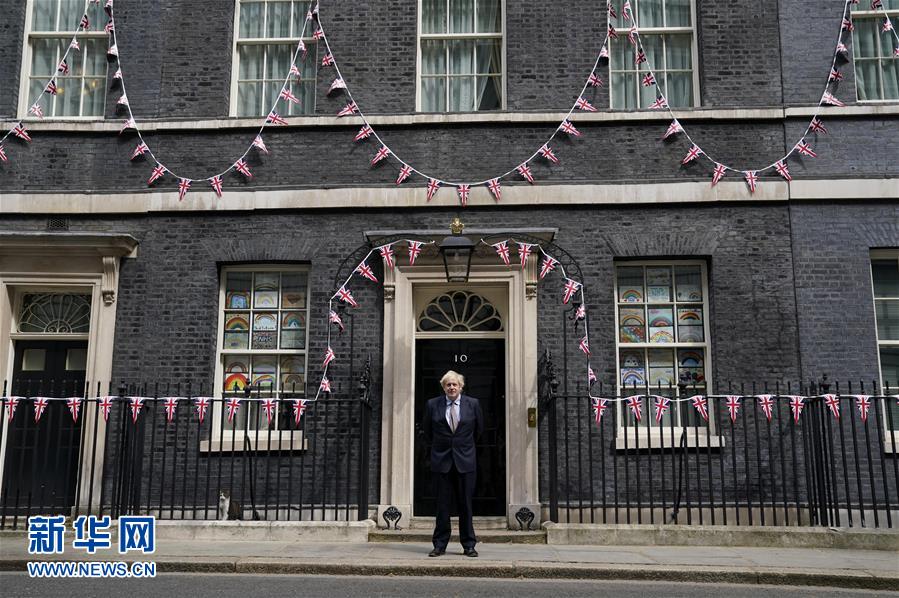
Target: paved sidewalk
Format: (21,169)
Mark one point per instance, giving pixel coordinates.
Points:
(793,566)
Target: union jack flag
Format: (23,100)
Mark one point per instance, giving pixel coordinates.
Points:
(364,133)
(817,126)
(896,51)
(386,252)
(314,10)
(318,34)
(720,169)
(123,100)
(295,71)
(863,402)
(604,51)
(591,376)
(216,183)
(117,74)
(548,266)
(243,168)
(835,75)
(329,357)
(11,404)
(74,45)
(752,179)
(635,404)
(767,404)
(626,10)
(275,119)
(128,124)
(571,287)
(584,345)
(547,153)
(268,405)
(74,404)
(673,129)
(334,318)
(20,132)
(796,405)
(828,98)
(842,49)
(105,406)
(463,190)
(782,170)
(833,403)
(569,128)
(136,404)
(299,406)
(63,68)
(612,33)
(661,405)
(433,186)
(733,406)
(632,36)
(640,58)
(502,249)
(701,404)
(405,173)
(694,153)
(847,25)
(336,84)
(233,406)
(108,7)
(140,150)
(201,404)
(495,188)
(612,14)
(875,4)
(325,386)
(51,88)
(524,252)
(382,153)
(301,47)
(660,103)
(3,157)
(582,104)
(85,23)
(599,408)
(171,404)
(414,251)
(346,296)
(286,94)
(525,171)
(113,50)
(327,60)
(805,149)
(260,144)
(157,174)
(649,80)
(365,271)
(40,404)
(183,186)
(594,80)
(348,110)
(37,111)
(580,313)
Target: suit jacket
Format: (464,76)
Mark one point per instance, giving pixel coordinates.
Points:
(448,447)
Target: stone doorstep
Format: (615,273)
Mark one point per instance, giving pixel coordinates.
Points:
(484,536)
(266,531)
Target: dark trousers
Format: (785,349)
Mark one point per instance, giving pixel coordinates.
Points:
(461,486)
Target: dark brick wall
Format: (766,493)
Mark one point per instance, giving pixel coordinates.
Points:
(11,28)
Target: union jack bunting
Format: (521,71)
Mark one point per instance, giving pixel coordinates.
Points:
(140,150)
(582,104)
(833,403)
(701,404)
(74,45)
(524,252)
(325,386)
(201,404)
(386,252)
(85,23)
(11,404)
(260,144)
(632,38)
(571,287)
(752,179)
(37,111)
(170,404)
(649,80)
(295,71)
(40,404)
(863,402)
(299,406)
(569,128)
(591,375)
(782,170)
(105,406)
(673,129)
(548,266)
(817,126)
(796,405)
(364,133)
(835,75)
(274,118)
(640,58)
(525,171)
(243,168)
(805,149)
(20,132)
(635,404)
(183,186)
(584,345)
(626,10)
(51,88)
(896,51)
(348,110)
(594,80)
(502,250)
(414,251)
(127,124)
(612,14)
(123,100)
(847,25)
(157,174)
(463,190)
(136,404)
(327,60)
(74,405)
(108,7)
(286,94)
(365,271)
(346,296)
(113,50)
(661,406)
(3,157)
(216,183)
(828,98)
(233,406)
(63,67)
(599,408)
(117,74)
(495,189)
(660,103)
(694,153)
(842,49)
(301,47)
(875,4)
(380,155)
(314,10)
(733,406)
(405,173)
(580,313)
(334,318)
(766,403)
(336,84)
(604,51)
(433,186)
(720,169)
(318,34)
(547,153)
(329,357)
(268,405)
(612,33)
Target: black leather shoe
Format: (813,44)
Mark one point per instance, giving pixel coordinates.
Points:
(436,552)
(471,552)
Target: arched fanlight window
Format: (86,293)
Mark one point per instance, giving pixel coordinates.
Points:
(56,313)
(459,311)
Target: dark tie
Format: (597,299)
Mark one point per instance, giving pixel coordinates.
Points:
(453,421)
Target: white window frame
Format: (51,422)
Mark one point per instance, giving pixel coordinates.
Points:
(891,444)
(419,37)
(622,38)
(259,439)
(696,435)
(878,16)
(312,47)
(27,57)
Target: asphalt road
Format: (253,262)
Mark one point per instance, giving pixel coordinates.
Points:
(19,585)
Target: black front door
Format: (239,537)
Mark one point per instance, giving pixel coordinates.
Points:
(482,362)
(42,458)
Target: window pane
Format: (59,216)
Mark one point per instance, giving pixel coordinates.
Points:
(277,23)
(70,12)
(867,77)
(677,13)
(661,324)
(624,94)
(678,52)
(649,13)
(44,15)
(433,57)
(44,57)
(489,57)
(633,369)
(293,330)
(658,283)
(688,280)
(264,370)
(237,370)
(689,325)
(237,331)
(461,94)
(887,313)
(251,19)
(886,277)
(68,98)
(489,93)
(679,90)
(433,94)
(94,97)
(891,77)
(461,16)
(631,325)
(661,368)
(867,34)
(277,62)
(76,360)
(889,367)
(237,290)
(433,16)
(462,59)
(630,284)
(489,17)
(251,58)
(293,290)
(33,360)
(691,366)
(265,290)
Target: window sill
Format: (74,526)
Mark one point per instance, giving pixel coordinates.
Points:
(652,442)
(258,443)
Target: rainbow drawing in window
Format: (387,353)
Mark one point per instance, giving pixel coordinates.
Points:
(236,375)
(632,370)
(632,328)
(661,327)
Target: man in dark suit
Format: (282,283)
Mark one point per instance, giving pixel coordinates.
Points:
(452,423)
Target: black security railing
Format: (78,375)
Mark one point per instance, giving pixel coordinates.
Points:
(155,456)
(828,459)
